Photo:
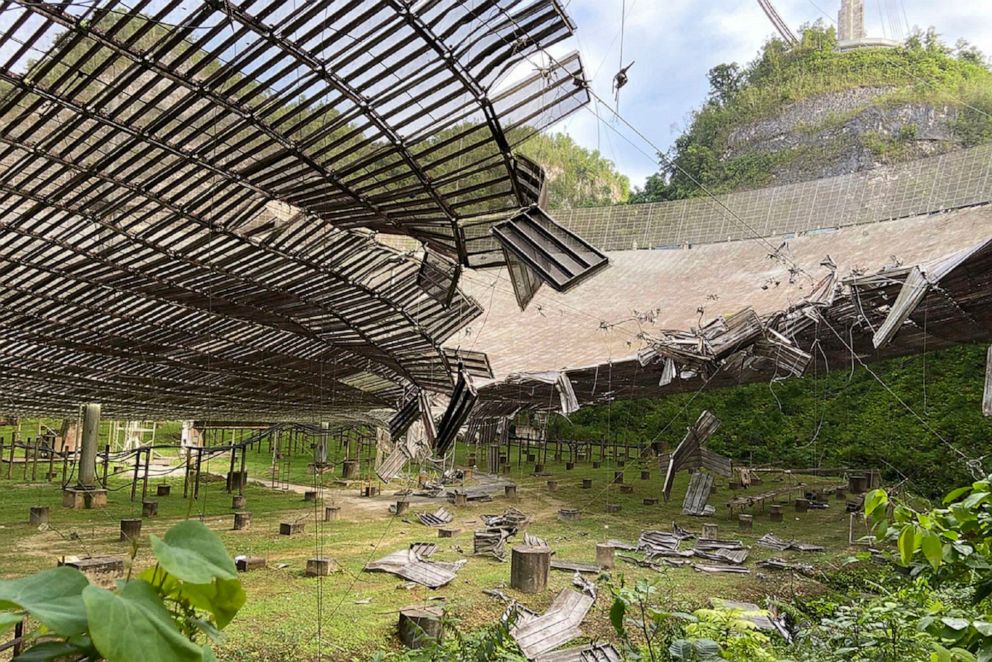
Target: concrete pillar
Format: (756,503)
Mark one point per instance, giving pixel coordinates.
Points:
(87,456)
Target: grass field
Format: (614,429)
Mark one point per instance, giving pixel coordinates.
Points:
(354,612)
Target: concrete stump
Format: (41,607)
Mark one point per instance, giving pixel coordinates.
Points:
(290,528)
(467,474)
(420,627)
(618,477)
(775,513)
(745,522)
(840,494)
(620,463)
(857,483)
(569,514)
(605,556)
(539,468)
(318,567)
(552,486)
(38,515)
(310,495)
(531,457)
(529,567)
(461,499)
(349,469)
(163,490)
(447,532)
(149,508)
(569,466)
(595,464)
(710,532)
(504,468)
(650,501)
(472,460)
(801,505)
(238,502)
(84,498)
(587,483)
(331,513)
(626,489)
(402,506)
(645,475)
(613,507)
(130,529)
(510,491)
(242,521)
(249,563)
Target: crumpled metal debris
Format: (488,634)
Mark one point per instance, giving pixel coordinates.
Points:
(412,564)
(439,517)
(557,626)
(771,541)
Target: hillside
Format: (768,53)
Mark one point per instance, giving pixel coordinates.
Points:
(576,176)
(810,112)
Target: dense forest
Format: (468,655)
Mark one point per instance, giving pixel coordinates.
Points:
(924,73)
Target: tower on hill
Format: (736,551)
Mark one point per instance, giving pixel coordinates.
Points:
(851,28)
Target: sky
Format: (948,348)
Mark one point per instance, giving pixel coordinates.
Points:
(673,43)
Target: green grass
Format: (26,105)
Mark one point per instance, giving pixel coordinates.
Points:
(281,620)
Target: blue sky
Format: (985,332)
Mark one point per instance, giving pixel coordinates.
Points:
(675,42)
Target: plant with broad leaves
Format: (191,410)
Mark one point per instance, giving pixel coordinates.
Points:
(633,611)
(723,634)
(170,612)
(949,544)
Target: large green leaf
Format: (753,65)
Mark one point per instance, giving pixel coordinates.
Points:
(907,544)
(933,549)
(193,553)
(616,616)
(222,598)
(53,597)
(133,625)
(49,651)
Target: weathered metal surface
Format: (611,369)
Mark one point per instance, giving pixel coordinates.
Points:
(556,626)
(987,400)
(808,316)
(410,565)
(771,541)
(687,455)
(439,517)
(588,653)
(574,566)
(546,250)
(698,493)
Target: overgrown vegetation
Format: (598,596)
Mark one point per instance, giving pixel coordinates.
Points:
(923,71)
(844,418)
(577,177)
(173,611)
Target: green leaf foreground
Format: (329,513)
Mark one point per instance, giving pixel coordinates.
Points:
(156,617)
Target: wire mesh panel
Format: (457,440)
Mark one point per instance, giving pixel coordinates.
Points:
(187,192)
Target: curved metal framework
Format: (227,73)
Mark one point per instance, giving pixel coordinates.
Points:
(187,189)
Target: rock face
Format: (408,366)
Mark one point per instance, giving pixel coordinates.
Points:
(844,132)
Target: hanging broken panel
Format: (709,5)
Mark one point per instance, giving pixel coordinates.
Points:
(462,401)
(556,255)
(525,282)
(404,418)
(472,362)
(438,277)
